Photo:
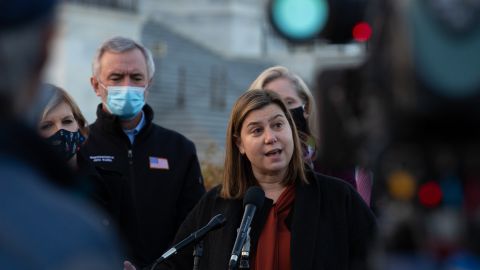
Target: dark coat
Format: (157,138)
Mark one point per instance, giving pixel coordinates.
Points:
(331,228)
(149,203)
(96,181)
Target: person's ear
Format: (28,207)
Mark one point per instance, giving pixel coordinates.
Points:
(147,89)
(238,143)
(26,99)
(95,85)
(306,114)
(48,36)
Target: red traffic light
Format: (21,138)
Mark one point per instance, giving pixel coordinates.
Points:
(430,194)
(362,32)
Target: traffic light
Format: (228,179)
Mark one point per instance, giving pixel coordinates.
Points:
(335,21)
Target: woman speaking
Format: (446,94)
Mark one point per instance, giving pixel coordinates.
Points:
(308,220)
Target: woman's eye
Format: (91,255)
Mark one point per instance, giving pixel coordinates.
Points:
(67,121)
(45,126)
(289,102)
(278,125)
(256,131)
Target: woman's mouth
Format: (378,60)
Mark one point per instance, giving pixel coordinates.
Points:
(273,152)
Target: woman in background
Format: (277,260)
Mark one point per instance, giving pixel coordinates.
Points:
(64,128)
(63,125)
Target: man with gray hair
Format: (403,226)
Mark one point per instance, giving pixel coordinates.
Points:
(159,174)
(42,224)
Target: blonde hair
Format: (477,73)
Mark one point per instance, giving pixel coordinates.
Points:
(276,72)
(238,175)
(58,96)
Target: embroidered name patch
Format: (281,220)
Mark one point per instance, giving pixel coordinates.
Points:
(102,158)
(158,163)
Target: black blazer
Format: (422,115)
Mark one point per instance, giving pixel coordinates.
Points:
(331,228)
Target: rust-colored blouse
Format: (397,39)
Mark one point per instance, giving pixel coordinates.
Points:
(273,248)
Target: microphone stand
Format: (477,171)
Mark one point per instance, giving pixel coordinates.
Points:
(244,262)
(254,197)
(197,254)
(245,255)
(215,223)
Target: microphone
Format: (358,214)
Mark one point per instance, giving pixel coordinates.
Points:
(253,199)
(216,222)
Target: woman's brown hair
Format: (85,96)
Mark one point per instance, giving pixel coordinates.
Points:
(238,175)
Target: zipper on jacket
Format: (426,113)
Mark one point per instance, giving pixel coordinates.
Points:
(130,156)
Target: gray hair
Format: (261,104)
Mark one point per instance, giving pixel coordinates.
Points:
(120,45)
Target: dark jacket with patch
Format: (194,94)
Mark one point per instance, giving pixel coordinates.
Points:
(159,181)
(331,228)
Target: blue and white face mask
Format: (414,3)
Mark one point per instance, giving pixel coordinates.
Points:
(125,101)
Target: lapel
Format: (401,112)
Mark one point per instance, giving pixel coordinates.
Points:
(305,225)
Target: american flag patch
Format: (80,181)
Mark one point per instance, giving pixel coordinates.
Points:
(159,163)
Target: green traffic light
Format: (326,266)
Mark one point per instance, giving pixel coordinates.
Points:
(299,20)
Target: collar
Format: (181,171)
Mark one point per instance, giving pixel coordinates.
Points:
(110,123)
(131,133)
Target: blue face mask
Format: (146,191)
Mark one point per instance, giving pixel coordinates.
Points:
(125,101)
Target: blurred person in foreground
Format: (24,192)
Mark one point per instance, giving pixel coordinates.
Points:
(301,103)
(308,220)
(160,174)
(42,224)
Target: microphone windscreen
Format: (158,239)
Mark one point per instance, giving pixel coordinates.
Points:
(254,195)
(217,221)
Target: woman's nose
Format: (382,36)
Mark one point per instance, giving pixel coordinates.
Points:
(270,137)
(57,127)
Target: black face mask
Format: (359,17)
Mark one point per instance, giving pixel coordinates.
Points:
(299,119)
(66,143)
